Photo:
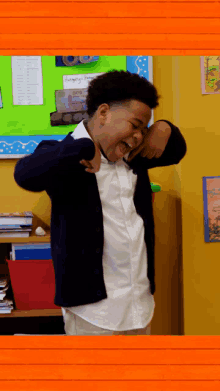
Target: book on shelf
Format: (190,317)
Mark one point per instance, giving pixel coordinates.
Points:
(6,311)
(19,231)
(6,306)
(15,235)
(23,218)
(3,288)
(32,251)
(16,225)
(3,283)
(2,295)
(6,303)
(15,228)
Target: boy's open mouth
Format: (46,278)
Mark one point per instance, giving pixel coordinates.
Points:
(124,147)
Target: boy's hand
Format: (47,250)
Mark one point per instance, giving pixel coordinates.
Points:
(94,164)
(154,142)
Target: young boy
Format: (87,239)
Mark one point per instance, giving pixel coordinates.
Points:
(102,227)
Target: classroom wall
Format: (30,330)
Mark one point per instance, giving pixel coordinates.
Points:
(201,267)
(178,78)
(168,317)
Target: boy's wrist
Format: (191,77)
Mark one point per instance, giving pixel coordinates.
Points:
(164,127)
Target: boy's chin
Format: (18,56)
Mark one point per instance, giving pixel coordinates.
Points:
(115,158)
(112,155)
(125,156)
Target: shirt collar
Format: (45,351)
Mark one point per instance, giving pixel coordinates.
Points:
(81,132)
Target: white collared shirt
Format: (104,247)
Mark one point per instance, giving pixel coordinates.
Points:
(129,304)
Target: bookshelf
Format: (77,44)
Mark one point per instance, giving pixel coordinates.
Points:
(31,239)
(32,313)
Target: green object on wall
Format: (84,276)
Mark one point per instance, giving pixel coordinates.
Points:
(155,187)
(35,120)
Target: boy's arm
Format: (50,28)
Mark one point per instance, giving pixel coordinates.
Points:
(174,151)
(174,148)
(35,172)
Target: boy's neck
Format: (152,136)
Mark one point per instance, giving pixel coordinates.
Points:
(88,128)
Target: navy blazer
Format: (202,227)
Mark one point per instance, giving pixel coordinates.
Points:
(77,234)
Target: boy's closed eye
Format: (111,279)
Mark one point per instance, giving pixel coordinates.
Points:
(143,130)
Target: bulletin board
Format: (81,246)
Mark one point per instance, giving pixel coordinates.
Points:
(24,127)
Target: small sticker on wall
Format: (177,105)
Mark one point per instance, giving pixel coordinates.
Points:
(210,74)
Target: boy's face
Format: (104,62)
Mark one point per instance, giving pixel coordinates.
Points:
(121,128)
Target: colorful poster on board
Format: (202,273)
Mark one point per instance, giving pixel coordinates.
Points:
(210,74)
(211,200)
(71,100)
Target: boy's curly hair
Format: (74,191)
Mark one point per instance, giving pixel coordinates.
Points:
(119,86)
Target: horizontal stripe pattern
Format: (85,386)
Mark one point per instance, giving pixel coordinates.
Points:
(110,27)
(120,363)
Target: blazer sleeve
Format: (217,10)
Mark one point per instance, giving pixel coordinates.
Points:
(36,171)
(174,152)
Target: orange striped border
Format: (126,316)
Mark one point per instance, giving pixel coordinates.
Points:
(156,363)
(109,27)
(120,363)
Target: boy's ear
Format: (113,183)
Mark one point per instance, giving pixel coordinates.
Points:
(103,111)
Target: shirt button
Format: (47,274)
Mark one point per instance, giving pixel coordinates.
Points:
(97,229)
(98,250)
(96,271)
(97,209)
(99,293)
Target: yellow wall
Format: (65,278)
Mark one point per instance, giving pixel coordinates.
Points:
(15,199)
(168,317)
(200,125)
(178,79)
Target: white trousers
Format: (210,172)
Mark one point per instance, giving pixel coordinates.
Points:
(75,325)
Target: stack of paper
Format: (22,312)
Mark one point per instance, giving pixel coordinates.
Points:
(6,305)
(17,224)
